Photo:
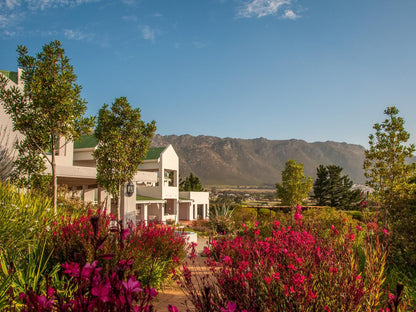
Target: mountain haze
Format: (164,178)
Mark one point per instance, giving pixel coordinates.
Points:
(256,162)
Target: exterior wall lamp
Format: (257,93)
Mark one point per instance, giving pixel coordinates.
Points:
(130,189)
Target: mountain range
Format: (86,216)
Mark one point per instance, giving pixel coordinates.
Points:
(257,162)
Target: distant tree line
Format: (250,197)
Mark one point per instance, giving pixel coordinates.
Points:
(331,188)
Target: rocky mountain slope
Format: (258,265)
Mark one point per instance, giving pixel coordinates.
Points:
(257,162)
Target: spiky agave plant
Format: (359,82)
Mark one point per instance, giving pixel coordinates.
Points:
(220,219)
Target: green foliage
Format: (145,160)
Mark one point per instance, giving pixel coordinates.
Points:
(403,242)
(295,186)
(23,217)
(32,270)
(123,140)
(385,161)
(332,189)
(393,179)
(244,215)
(191,184)
(221,219)
(355,214)
(49,108)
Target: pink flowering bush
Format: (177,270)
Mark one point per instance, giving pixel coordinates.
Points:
(110,281)
(154,249)
(295,268)
(93,291)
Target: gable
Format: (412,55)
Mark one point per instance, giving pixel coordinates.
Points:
(10,75)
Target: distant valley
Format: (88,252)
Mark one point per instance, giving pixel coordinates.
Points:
(257,162)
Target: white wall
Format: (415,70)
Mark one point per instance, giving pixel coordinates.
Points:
(128,206)
(198,198)
(145,176)
(5,120)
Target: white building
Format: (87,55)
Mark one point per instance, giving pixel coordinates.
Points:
(153,192)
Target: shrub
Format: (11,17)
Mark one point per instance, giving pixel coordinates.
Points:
(296,268)
(154,249)
(357,215)
(23,216)
(244,215)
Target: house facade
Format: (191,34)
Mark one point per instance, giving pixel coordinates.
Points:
(153,194)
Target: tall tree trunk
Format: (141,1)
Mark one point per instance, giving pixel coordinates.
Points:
(54,183)
(119,202)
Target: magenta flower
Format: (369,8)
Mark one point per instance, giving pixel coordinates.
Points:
(132,285)
(72,269)
(227,260)
(50,292)
(44,302)
(151,292)
(297,216)
(172,308)
(125,233)
(88,269)
(102,291)
(231,307)
(206,251)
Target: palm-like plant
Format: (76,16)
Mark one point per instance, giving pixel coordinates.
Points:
(220,218)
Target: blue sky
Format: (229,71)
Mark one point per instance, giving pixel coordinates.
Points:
(279,69)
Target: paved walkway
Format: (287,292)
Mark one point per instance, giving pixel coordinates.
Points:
(172,294)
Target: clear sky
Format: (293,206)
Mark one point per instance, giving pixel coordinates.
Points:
(315,70)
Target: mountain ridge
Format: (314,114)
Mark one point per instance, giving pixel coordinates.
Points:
(259,161)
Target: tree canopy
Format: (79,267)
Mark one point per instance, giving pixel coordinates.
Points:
(123,141)
(49,112)
(385,161)
(332,189)
(295,186)
(191,183)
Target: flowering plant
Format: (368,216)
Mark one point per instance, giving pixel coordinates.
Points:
(296,268)
(98,285)
(154,248)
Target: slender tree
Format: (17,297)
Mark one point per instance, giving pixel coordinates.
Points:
(123,141)
(385,161)
(333,189)
(295,186)
(49,112)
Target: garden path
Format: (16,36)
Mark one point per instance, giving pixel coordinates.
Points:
(172,294)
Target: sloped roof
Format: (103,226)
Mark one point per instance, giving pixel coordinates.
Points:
(10,74)
(86,141)
(90,141)
(154,153)
(146,198)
